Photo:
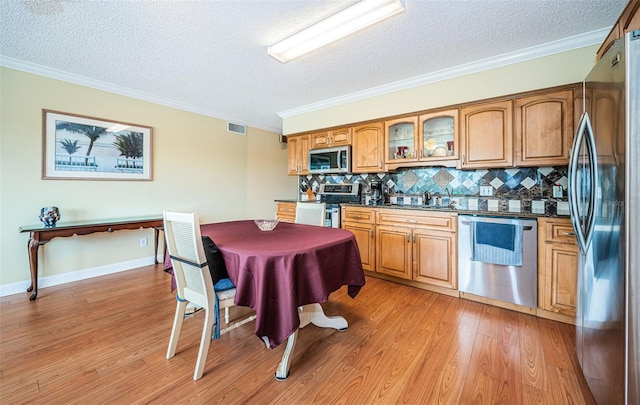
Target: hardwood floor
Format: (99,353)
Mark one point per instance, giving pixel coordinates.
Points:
(104,340)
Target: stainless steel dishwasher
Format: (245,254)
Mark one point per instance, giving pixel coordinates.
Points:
(517,284)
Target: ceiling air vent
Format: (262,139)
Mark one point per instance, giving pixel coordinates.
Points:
(236,128)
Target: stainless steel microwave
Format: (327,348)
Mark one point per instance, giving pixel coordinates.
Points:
(330,160)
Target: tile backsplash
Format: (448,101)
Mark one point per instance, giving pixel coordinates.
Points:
(522,184)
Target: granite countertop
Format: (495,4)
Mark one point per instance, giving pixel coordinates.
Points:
(462,211)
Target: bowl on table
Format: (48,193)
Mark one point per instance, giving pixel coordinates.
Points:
(266,224)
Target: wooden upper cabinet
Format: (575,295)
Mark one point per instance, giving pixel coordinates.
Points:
(298,154)
(328,139)
(438,136)
(340,136)
(320,140)
(366,155)
(629,20)
(606,122)
(544,129)
(400,142)
(486,134)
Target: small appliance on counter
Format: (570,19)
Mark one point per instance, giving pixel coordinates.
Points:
(335,194)
(377,194)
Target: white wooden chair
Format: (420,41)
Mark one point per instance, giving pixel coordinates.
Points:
(310,213)
(194,283)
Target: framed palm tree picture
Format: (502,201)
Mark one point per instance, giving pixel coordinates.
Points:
(89,148)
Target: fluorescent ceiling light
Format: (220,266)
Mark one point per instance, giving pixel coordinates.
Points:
(353,18)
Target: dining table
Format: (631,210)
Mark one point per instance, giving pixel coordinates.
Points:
(284,274)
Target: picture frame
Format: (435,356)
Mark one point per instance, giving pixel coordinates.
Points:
(79,147)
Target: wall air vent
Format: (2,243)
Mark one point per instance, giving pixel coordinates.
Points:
(236,128)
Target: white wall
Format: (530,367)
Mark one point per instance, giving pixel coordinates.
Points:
(197,165)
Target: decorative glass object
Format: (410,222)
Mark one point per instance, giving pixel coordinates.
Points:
(49,216)
(266,224)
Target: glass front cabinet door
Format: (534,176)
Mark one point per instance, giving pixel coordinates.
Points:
(401,142)
(439,136)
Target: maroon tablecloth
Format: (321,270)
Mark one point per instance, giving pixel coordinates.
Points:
(276,272)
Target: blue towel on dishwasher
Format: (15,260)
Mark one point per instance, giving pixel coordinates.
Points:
(496,243)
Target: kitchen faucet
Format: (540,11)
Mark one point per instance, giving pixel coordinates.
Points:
(452,204)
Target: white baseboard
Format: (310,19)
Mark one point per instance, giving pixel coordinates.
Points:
(49,281)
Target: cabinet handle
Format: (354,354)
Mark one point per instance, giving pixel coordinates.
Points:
(408,238)
(568,234)
(357,216)
(464,161)
(414,238)
(371,232)
(411,220)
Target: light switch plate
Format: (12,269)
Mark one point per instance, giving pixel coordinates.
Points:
(472,204)
(492,205)
(537,207)
(486,191)
(557,191)
(562,208)
(514,205)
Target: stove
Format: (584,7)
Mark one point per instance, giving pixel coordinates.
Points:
(335,194)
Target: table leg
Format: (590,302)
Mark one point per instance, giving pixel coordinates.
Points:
(32,247)
(282,372)
(314,314)
(155,246)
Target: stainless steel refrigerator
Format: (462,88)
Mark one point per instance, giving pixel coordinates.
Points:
(604,184)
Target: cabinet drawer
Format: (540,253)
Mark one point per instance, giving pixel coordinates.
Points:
(286,211)
(431,220)
(360,215)
(560,232)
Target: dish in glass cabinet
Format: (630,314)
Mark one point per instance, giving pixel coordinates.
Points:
(439,150)
(430,144)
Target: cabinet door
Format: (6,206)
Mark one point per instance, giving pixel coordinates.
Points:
(438,136)
(340,137)
(365,238)
(320,140)
(435,258)
(486,133)
(561,278)
(401,140)
(367,148)
(393,251)
(544,129)
(606,123)
(298,154)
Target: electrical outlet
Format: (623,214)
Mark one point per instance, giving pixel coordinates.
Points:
(486,191)
(143,242)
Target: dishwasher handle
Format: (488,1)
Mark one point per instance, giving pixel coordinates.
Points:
(524,228)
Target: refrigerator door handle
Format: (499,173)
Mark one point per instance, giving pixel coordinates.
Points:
(583,236)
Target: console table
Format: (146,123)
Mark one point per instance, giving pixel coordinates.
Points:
(39,235)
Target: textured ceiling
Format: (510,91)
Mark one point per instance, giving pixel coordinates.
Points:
(211,57)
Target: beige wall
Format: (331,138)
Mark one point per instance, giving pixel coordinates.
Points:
(197,166)
(549,71)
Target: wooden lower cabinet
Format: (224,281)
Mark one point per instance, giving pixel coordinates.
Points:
(361,222)
(435,256)
(418,246)
(394,251)
(557,267)
(286,211)
(365,238)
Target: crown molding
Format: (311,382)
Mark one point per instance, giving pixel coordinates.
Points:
(40,70)
(550,48)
